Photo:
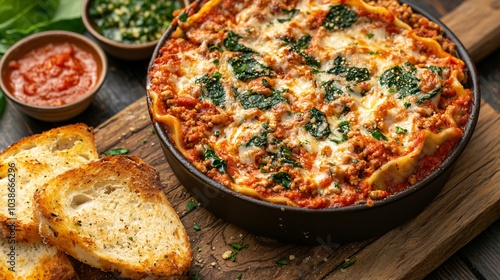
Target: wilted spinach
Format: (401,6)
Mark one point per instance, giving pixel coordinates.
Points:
(254,100)
(215,161)
(401,79)
(245,67)
(283,179)
(331,91)
(351,73)
(231,43)
(339,17)
(291,13)
(212,88)
(318,124)
(299,47)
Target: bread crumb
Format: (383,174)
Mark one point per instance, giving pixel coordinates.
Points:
(213,264)
(291,257)
(227,254)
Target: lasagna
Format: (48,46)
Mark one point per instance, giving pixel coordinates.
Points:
(312,103)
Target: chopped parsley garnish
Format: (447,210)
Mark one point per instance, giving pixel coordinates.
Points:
(331,91)
(283,179)
(351,73)
(400,130)
(260,101)
(378,135)
(300,46)
(318,124)
(339,17)
(407,105)
(116,152)
(183,17)
(231,43)
(291,13)
(215,47)
(245,67)
(347,263)
(281,262)
(196,227)
(212,88)
(191,205)
(238,246)
(370,35)
(344,127)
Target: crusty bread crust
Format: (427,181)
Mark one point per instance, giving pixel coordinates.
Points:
(34,261)
(31,162)
(113,214)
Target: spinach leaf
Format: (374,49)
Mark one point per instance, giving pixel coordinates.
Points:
(339,17)
(291,14)
(215,161)
(261,139)
(254,100)
(401,79)
(301,45)
(378,135)
(283,179)
(331,91)
(212,88)
(351,73)
(284,156)
(231,43)
(344,127)
(19,19)
(318,124)
(245,67)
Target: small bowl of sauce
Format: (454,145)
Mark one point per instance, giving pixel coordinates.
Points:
(53,75)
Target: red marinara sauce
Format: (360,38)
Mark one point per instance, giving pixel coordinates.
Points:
(53,75)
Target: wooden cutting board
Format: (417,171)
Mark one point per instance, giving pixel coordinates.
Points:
(467,205)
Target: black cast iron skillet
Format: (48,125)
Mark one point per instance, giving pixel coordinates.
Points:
(319,226)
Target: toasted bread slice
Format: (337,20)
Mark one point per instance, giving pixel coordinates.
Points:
(34,261)
(113,215)
(30,163)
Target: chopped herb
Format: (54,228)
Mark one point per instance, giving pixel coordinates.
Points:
(238,277)
(216,61)
(212,88)
(370,35)
(342,140)
(400,130)
(238,246)
(339,17)
(131,238)
(318,124)
(283,179)
(231,43)
(344,127)
(218,48)
(79,223)
(351,73)
(281,262)
(347,263)
(331,91)
(191,205)
(291,14)
(254,100)
(436,69)
(196,227)
(183,17)
(378,135)
(144,141)
(407,105)
(245,67)
(284,156)
(233,256)
(116,152)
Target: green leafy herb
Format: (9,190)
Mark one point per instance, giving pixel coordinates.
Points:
(183,17)
(261,139)
(116,152)
(284,156)
(196,227)
(283,179)
(191,205)
(351,73)
(347,263)
(217,48)
(370,35)
(19,19)
(239,276)
(245,67)
(212,88)
(400,130)
(231,43)
(233,256)
(281,262)
(318,124)
(378,135)
(339,17)
(215,161)
(341,140)
(291,14)
(331,91)
(238,246)
(407,105)
(131,238)
(401,79)
(344,127)
(254,100)
(299,48)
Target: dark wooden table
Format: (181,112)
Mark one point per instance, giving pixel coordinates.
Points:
(125,84)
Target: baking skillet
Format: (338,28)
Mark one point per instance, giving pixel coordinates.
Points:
(319,226)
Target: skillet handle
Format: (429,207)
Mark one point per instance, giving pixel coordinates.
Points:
(476,23)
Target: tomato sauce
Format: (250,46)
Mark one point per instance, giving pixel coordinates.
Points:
(53,75)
